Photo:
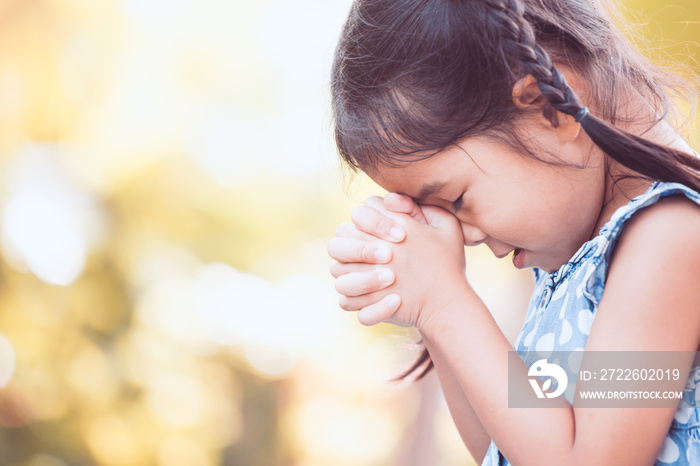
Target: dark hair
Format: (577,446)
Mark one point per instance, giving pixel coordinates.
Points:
(411,78)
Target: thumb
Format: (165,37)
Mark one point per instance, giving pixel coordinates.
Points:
(400,203)
(436,216)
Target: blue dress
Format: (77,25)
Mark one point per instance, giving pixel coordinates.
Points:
(562,309)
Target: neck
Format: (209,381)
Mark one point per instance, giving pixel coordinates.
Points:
(621,185)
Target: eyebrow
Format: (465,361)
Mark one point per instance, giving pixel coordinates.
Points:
(429,189)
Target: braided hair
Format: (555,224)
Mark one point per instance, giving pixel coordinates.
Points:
(411,78)
(652,160)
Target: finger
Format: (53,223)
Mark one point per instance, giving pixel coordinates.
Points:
(359,283)
(401,203)
(380,311)
(348,303)
(395,203)
(345,229)
(349,230)
(341,268)
(436,215)
(373,222)
(376,202)
(355,250)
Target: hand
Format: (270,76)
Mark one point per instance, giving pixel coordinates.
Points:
(429,266)
(362,285)
(359,253)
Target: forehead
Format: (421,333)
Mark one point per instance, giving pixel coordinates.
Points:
(421,178)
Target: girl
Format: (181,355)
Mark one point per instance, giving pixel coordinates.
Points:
(533,127)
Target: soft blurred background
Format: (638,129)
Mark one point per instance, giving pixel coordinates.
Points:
(167,188)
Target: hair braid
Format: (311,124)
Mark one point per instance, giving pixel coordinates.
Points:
(520,45)
(521,50)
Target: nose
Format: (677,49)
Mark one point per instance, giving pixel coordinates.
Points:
(472,235)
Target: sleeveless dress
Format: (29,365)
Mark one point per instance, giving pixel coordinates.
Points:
(562,309)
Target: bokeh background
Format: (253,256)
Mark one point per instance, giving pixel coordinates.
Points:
(168,185)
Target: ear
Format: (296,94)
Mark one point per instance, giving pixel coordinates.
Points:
(526,94)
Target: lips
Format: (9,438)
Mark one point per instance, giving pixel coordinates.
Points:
(517,262)
(501,256)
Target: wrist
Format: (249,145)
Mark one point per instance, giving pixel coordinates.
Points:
(459,299)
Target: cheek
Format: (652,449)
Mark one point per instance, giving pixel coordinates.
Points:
(523,221)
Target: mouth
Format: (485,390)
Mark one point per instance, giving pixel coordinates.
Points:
(517,262)
(514,251)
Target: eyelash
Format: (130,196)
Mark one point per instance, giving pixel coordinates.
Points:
(456,205)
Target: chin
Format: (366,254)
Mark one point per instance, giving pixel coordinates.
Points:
(549,267)
(551,262)
(552,268)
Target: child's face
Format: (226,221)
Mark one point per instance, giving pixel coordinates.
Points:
(509,201)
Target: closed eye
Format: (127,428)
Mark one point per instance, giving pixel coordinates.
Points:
(457,205)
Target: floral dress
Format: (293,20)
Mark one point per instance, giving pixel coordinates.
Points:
(562,309)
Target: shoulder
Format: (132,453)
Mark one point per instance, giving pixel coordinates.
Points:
(676,207)
(654,277)
(669,226)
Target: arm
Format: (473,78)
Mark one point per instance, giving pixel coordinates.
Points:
(468,424)
(354,247)
(651,302)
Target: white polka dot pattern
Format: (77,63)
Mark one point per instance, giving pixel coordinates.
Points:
(566,332)
(669,452)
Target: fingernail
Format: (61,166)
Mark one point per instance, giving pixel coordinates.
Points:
(396,233)
(393,302)
(386,277)
(382,254)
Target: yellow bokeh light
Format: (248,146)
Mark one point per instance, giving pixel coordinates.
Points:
(111,440)
(7,361)
(181,451)
(332,431)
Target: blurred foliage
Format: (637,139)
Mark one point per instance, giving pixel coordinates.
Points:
(168,185)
